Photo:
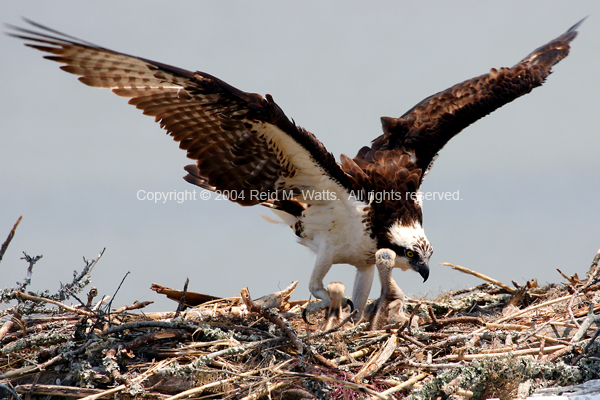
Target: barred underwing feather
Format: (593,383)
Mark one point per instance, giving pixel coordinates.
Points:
(208,117)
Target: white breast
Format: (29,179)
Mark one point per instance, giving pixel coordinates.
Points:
(339,224)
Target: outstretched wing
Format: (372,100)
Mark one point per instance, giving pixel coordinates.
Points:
(243,143)
(423,130)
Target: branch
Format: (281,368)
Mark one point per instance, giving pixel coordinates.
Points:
(404,385)
(31,261)
(9,238)
(182,305)
(591,318)
(593,278)
(77,285)
(26,296)
(275,319)
(135,306)
(480,276)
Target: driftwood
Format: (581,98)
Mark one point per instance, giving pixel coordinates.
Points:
(191,298)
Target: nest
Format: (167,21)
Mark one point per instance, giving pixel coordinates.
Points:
(488,341)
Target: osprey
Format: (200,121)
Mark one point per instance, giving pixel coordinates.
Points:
(245,147)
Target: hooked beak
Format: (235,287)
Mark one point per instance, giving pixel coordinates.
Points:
(423,270)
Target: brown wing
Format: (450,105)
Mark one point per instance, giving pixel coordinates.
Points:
(423,130)
(243,143)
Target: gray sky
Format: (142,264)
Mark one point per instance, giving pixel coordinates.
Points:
(73,157)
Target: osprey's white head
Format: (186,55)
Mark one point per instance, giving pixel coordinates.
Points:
(411,247)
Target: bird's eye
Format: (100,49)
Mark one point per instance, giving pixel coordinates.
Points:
(409,254)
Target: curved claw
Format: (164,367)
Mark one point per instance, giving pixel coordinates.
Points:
(351,304)
(304,316)
(318,305)
(314,306)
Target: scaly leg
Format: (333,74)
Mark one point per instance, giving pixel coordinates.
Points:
(362,287)
(322,267)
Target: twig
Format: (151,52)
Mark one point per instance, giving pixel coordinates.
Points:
(31,261)
(266,391)
(480,276)
(356,354)
(591,318)
(275,319)
(507,327)
(116,291)
(591,341)
(535,332)
(558,353)
(407,323)
(100,302)
(77,285)
(150,324)
(592,279)
(139,378)
(32,368)
(135,306)
(415,364)
(69,391)
(26,296)
(469,357)
(411,339)
(437,324)
(377,360)
(404,385)
(181,306)
(349,385)
(199,390)
(527,310)
(89,266)
(6,327)
(9,238)
(335,328)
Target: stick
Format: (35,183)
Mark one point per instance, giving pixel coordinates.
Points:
(150,324)
(335,328)
(586,325)
(116,291)
(437,324)
(356,354)
(135,306)
(404,385)
(26,296)
(6,328)
(182,305)
(267,391)
(63,391)
(593,278)
(414,364)
(377,360)
(349,385)
(508,327)
(480,276)
(275,319)
(9,238)
(32,368)
(200,389)
(469,357)
(528,309)
(139,378)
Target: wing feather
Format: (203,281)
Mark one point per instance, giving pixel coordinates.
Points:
(423,130)
(241,141)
